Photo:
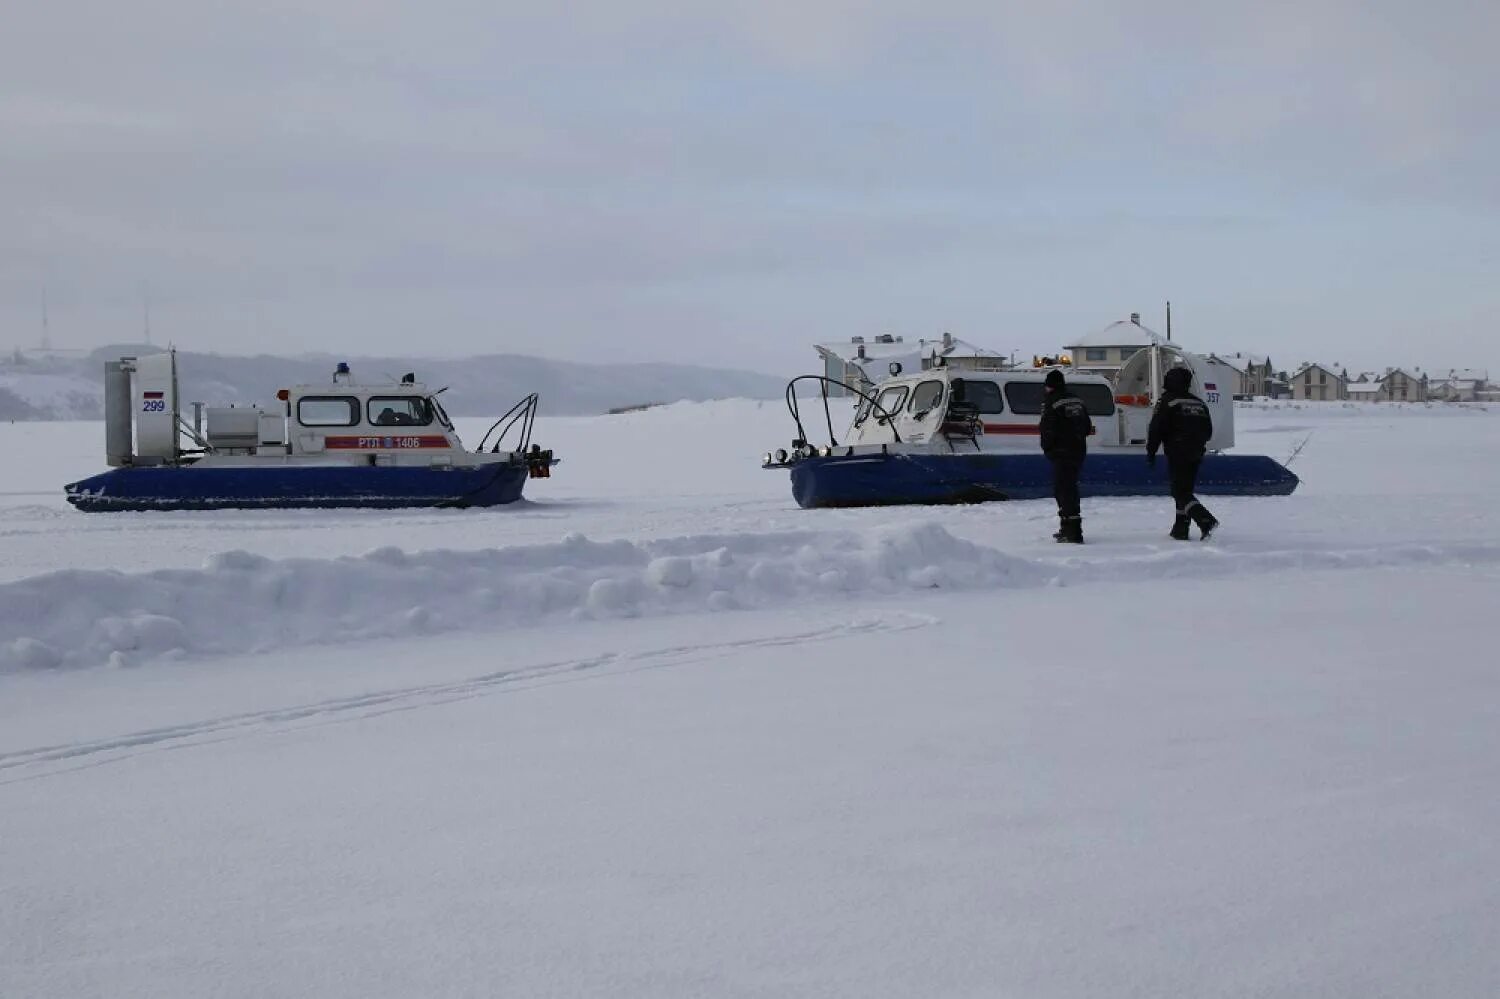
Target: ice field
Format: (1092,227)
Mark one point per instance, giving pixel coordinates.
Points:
(657,732)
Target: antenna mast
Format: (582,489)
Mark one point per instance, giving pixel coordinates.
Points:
(1169,320)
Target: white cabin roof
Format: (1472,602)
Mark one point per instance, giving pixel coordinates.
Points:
(911,354)
(901,349)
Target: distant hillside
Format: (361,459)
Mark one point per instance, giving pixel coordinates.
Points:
(36,387)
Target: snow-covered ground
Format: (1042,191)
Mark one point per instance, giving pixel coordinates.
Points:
(657,732)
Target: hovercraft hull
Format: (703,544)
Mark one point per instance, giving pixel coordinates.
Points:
(899,479)
(188,487)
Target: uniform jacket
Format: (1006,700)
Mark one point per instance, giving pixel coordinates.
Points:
(1065,426)
(1181,426)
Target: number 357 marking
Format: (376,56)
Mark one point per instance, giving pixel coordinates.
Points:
(1212,396)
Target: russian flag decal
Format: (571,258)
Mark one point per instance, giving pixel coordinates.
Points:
(1211,386)
(153,395)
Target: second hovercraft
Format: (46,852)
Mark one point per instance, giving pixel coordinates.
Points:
(964,430)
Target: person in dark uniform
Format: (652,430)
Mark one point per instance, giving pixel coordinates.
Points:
(1065,427)
(1182,426)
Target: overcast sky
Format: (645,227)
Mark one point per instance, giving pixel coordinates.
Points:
(726,183)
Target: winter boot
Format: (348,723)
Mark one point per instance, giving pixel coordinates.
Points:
(1206,521)
(1071,532)
(1180,528)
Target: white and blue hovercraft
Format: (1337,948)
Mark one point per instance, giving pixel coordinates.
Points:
(339,444)
(965,430)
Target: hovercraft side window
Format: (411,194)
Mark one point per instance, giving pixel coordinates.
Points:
(327,411)
(984,396)
(890,402)
(1099,399)
(926,398)
(1026,397)
(399,411)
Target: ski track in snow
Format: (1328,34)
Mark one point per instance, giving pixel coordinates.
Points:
(375,703)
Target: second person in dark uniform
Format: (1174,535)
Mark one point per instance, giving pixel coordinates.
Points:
(1182,427)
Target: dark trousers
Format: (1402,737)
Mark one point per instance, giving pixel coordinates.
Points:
(1065,486)
(1184,475)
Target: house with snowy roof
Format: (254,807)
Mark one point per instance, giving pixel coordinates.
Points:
(1400,385)
(1105,351)
(1365,388)
(1391,385)
(1459,385)
(1255,376)
(1319,383)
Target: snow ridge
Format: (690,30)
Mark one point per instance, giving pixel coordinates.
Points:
(239,602)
